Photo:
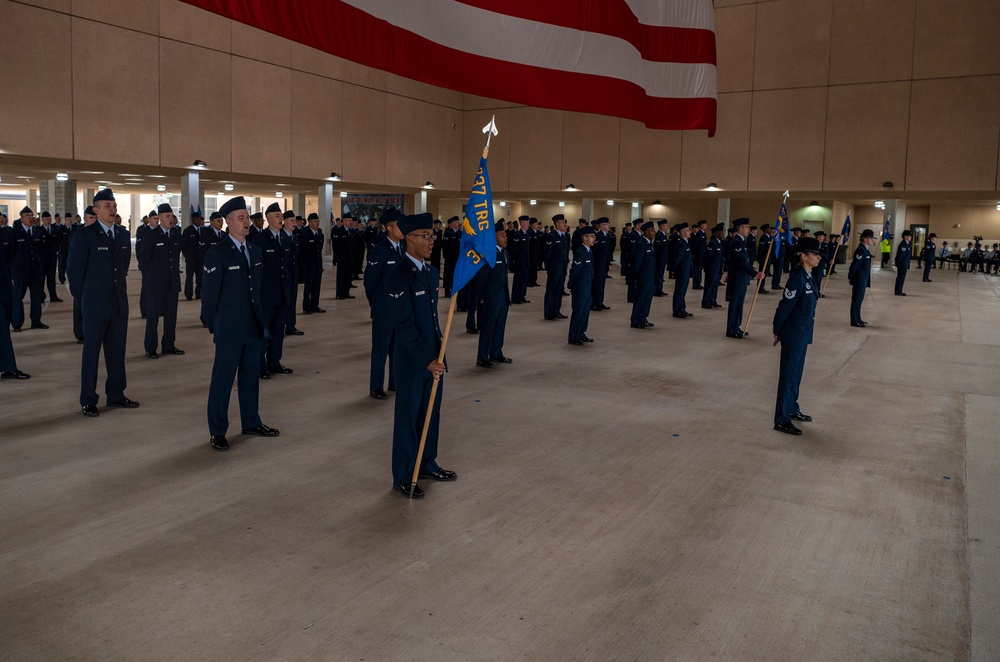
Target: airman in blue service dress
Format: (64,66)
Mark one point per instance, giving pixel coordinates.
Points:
(860,276)
(8,364)
(494,295)
(519,252)
(97,269)
(641,266)
(793,328)
(601,257)
(344,250)
(290,251)
(230,303)
(89,218)
(581,285)
(275,291)
(152,222)
(660,263)
(765,256)
(739,275)
(450,246)
(311,265)
(159,260)
(26,271)
(412,288)
(713,268)
(929,254)
(698,243)
(903,254)
(382,260)
(556,244)
(681,268)
(190,238)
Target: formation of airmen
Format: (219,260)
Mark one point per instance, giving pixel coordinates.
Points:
(246,270)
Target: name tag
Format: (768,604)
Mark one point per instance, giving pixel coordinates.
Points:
(269,250)
(159,243)
(102,248)
(419,293)
(390,262)
(234,267)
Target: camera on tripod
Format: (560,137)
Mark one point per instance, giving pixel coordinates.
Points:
(977,238)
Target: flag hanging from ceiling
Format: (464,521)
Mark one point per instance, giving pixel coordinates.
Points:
(652,61)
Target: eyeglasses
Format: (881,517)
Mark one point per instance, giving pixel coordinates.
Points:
(425,237)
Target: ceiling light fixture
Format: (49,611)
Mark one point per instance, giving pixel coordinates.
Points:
(62,176)
(562,204)
(635,205)
(278,194)
(161,187)
(712,186)
(503,204)
(570,187)
(335,176)
(533,202)
(814,204)
(343,194)
(429,185)
(611,203)
(198,163)
(229,187)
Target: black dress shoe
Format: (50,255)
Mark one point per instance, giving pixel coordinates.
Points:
(124,403)
(716,305)
(799,416)
(484,364)
(142,317)
(417,493)
(697,287)
(687,314)
(14,374)
(525,300)
(738,335)
(16,329)
(682,316)
(547,317)
(586,339)
(561,316)
(864,323)
(322,310)
(708,307)
(39,326)
(565,293)
(280,369)
(858,324)
(391,389)
(58,300)
(659,294)
(294,332)
(378,395)
(472,331)
(638,326)
(91,411)
(219,442)
(261,431)
(461,310)
(649,324)
(174,351)
(152,355)
(264,374)
(501,359)
(575,342)
(926,280)
(307,312)
(440,474)
(787,428)
(765,291)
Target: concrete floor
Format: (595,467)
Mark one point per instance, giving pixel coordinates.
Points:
(621,501)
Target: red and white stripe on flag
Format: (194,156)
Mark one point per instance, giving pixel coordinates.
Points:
(648,60)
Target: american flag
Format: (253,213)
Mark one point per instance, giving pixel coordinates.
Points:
(652,61)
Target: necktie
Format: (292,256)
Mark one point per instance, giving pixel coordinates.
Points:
(111,234)
(243,249)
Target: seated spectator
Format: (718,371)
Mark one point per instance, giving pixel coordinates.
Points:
(943,254)
(993,260)
(963,262)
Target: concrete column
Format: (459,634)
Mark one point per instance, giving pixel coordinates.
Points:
(134,218)
(587,209)
(300,204)
(57,197)
(895,213)
(32,200)
(192,198)
(325,192)
(88,199)
(722,215)
(420,202)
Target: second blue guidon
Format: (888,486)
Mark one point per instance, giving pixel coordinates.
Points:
(845,232)
(784,234)
(479,239)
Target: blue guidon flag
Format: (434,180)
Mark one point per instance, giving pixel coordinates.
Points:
(885,230)
(479,240)
(784,233)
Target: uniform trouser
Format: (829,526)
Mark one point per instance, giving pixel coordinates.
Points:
(631,288)
(519,287)
(271,349)
(857,298)
(599,281)
(643,302)
(21,287)
(793,359)
(696,269)
(413,394)
(818,274)
(107,332)
(579,319)
(927,268)
(768,269)
(776,280)
(660,267)
(63,257)
(493,324)
(383,347)
(143,303)
(553,292)
(7,362)
(50,277)
(709,297)
(900,279)
(729,289)
(77,319)
(232,359)
(157,306)
(449,276)
(625,263)
(680,292)
(310,290)
(734,316)
(192,278)
(290,309)
(532,270)
(345,273)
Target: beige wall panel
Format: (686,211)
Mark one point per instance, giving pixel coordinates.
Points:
(473,141)
(724,158)
(410,88)
(317,126)
(35,118)
(590,147)
(866,130)
(213,31)
(317,62)
(257,44)
(116,112)
(472,102)
(734,32)
(364,135)
(792,44)
(649,159)
(975,220)
(918,215)
(536,136)
(141,15)
(262,116)
(956,38)
(872,40)
(675,211)
(422,142)
(786,149)
(57,5)
(954,133)
(195,111)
